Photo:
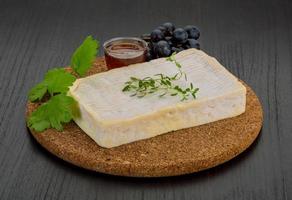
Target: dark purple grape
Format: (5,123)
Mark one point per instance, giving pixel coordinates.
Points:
(149,55)
(167,38)
(162,44)
(177,45)
(193,32)
(162,28)
(154,49)
(180,35)
(176,49)
(156,35)
(169,28)
(164,52)
(181,48)
(146,37)
(192,43)
(153,46)
(163,49)
(150,45)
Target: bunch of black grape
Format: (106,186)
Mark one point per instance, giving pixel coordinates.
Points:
(166,39)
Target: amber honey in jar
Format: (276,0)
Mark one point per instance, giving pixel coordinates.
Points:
(124,51)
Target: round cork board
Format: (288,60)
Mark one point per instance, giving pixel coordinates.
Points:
(176,153)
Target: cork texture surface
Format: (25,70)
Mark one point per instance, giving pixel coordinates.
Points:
(176,153)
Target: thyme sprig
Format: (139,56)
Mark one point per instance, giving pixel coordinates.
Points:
(162,84)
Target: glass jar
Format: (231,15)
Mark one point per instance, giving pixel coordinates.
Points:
(123,51)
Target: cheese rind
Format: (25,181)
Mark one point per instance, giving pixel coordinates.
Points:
(112,118)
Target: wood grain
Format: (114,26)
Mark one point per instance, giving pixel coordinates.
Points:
(252,38)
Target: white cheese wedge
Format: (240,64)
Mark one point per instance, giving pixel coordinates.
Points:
(112,118)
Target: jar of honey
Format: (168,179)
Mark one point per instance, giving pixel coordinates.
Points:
(124,51)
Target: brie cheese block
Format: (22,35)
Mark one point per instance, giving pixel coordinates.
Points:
(112,117)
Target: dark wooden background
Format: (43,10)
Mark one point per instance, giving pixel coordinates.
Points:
(251,38)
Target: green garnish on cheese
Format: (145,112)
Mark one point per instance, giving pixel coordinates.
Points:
(161,84)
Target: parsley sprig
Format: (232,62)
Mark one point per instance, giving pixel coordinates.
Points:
(57,81)
(51,114)
(84,55)
(162,84)
(60,108)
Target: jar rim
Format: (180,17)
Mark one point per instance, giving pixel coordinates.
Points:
(136,39)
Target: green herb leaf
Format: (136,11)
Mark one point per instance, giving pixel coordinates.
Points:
(134,79)
(58,110)
(177,64)
(56,81)
(126,88)
(61,108)
(84,55)
(37,92)
(196,90)
(185,75)
(161,95)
